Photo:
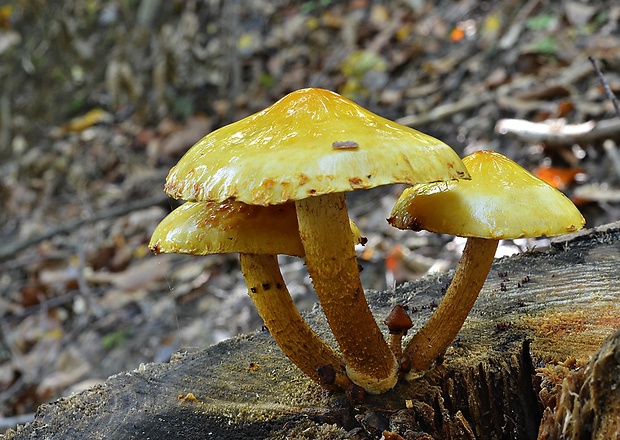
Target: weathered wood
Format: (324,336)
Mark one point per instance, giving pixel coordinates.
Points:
(536,310)
(587,400)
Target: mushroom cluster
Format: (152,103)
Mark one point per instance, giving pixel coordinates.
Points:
(297,158)
(501,201)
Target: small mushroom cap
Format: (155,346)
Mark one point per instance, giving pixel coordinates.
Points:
(501,201)
(398,320)
(310,142)
(202,228)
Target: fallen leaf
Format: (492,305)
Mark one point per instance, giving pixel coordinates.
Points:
(181,140)
(557,177)
(457,34)
(94,116)
(136,276)
(6,12)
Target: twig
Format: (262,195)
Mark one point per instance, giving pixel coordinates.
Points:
(612,153)
(609,146)
(559,133)
(446,110)
(382,38)
(610,94)
(595,192)
(85,290)
(50,303)
(5,126)
(147,11)
(514,31)
(12,248)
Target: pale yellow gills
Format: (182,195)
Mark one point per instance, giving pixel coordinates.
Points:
(310,142)
(501,201)
(202,228)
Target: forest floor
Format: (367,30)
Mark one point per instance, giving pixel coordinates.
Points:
(99,99)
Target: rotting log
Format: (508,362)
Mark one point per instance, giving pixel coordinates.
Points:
(537,311)
(587,399)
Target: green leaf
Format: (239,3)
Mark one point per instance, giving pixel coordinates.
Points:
(547,45)
(114,340)
(542,21)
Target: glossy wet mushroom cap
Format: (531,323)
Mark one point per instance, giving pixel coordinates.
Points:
(311,142)
(202,228)
(501,201)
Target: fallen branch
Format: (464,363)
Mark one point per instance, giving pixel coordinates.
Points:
(605,85)
(597,193)
(13,248)
(558,132)
(445,111)
(535,309)
(612,153)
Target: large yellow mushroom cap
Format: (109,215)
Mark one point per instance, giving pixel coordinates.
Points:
(310,142)
(203,228)
(501,201)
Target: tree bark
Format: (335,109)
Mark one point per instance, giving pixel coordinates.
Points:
(538,313)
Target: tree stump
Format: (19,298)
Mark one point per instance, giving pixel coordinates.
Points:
(539,320)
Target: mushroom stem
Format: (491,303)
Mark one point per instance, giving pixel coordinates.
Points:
(331,261)
(432,340)
(286,325)
(396,344)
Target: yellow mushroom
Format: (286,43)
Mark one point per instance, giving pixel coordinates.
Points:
(311,147)
(501,201)
(258,233)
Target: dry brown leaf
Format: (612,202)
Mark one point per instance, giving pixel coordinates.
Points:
(179,142)
(136,276)
(54,383)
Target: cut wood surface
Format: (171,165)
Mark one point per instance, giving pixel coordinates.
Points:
(536,310)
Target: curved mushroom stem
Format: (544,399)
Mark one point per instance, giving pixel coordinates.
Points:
(286,325)
(432,340)
(331,261)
